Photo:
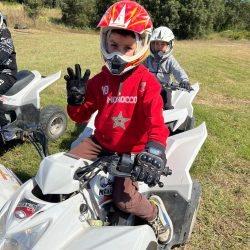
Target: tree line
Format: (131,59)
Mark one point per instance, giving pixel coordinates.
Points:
(187,18)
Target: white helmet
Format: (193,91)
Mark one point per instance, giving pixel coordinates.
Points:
(162,34)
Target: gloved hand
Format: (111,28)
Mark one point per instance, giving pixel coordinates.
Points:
(150,164)
(185,85)
(76,85)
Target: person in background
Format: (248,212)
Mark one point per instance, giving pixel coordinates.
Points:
(129,105)
(8,66)
(163,65)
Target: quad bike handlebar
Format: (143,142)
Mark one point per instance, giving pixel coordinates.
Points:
(31,132)
(116,165)
(175,86)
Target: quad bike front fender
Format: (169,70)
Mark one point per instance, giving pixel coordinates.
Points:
(181,152)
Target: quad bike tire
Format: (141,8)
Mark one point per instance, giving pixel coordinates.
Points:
(53,121)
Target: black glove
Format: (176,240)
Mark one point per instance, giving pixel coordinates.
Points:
(150,164)
(185,85)
(76,85)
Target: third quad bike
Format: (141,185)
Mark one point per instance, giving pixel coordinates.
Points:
(21,104)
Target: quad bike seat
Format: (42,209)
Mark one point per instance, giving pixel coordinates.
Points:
(24,77)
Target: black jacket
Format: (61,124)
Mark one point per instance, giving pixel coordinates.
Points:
(8,66)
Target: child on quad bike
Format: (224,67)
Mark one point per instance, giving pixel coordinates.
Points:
(162,63)
(129,106)
(8,67)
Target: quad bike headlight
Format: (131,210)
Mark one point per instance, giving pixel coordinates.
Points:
(23,240)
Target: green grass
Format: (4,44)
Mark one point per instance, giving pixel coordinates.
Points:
(230,34)
(236,34)
(222,166)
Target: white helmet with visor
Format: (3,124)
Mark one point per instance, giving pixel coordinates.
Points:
(162,34)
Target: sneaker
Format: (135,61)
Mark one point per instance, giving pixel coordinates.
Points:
(162,224)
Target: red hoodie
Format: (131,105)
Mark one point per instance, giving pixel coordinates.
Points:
(129,110)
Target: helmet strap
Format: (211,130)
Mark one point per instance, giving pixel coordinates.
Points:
(139,41)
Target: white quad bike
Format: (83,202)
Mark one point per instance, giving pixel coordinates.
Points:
(179,119)
(21,104)
(68,204)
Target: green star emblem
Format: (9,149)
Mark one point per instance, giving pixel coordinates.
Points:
(119,121)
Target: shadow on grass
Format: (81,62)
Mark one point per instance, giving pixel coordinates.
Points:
(5,147)
(23,176)
(66,143)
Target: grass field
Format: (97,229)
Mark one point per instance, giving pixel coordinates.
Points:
(222,166)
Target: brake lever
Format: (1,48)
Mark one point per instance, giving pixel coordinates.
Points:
(166,171)
(116,164)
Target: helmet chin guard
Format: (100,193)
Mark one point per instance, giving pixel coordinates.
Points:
(125,15)
(159,55)
(116,65)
